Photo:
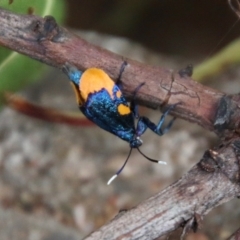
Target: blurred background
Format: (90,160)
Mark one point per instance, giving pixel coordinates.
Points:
(53,176)
(187,28)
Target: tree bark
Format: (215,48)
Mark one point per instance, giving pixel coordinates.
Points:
(213,181)
(43,40)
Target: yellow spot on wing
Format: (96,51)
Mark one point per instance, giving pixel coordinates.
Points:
(123,109)
(93,80)
(77,94)
(118,94)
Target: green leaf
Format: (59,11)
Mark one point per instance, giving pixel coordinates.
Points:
(16,70)
(218,63)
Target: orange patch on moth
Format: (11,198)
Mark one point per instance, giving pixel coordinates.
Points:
(77,94)
(118,94)
(123,109)
(93,80)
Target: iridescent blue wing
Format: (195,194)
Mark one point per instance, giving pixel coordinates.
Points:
(101,109)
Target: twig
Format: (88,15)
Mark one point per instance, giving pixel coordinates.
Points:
(47,114)
(213,181)
(44,40)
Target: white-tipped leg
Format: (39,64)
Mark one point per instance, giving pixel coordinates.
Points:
(162,162)
(111,179)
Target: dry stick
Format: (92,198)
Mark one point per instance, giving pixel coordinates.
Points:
(213,181)
(47,114)
(44,40)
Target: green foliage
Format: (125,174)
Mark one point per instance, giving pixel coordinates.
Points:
(217,64)
(16,70)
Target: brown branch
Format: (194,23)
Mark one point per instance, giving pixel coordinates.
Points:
(47,114)
(211,182)
(44,40)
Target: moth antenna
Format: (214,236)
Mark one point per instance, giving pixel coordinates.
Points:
(150,159)
(120,170)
